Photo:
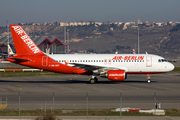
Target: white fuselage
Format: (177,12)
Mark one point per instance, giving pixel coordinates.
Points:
(131,63)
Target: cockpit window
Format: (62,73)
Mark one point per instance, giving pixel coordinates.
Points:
(162,60)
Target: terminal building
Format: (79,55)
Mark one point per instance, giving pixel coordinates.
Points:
(47,44)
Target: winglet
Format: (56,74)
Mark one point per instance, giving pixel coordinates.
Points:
(23,43)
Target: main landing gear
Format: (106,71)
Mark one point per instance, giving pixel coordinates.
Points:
(148,78)
(93,80)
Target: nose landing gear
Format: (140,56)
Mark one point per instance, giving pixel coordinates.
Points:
(148,78)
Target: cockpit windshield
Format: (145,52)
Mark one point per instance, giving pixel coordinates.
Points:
(162,60)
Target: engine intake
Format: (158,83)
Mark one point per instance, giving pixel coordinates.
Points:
(116,75)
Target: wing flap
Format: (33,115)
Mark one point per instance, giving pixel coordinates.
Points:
(91,67)
(85,66)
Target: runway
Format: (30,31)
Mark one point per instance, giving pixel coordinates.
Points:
(71,92)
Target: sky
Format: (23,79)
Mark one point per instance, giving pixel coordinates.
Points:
(26,11)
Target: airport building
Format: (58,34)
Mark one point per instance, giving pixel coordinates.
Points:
(47,44)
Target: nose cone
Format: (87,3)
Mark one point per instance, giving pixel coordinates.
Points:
(170,67)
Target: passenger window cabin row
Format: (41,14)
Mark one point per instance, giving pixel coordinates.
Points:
(80,61)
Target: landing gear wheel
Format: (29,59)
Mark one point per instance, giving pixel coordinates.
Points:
(148,81)
(148,78)
(92,81)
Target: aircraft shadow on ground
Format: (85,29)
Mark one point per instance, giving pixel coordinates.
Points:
(75,82)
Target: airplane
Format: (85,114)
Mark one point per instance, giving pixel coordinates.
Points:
(115,67)
(10,52)
(134,52)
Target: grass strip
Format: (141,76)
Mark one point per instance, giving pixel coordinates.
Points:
(176,69)
(81,112)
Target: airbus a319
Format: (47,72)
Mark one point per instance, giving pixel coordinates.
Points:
(114,67)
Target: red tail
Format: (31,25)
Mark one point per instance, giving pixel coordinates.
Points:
(134,51)
(23,43)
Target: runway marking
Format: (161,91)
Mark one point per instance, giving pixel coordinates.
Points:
(3,106)
(7,88)
(16,88)
(13,88)
(134,88)
(7,78)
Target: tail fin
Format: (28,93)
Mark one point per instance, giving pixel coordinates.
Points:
(134,51)
(10,52)
(23,43)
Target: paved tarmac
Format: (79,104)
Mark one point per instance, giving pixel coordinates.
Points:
(75,92)
(94,118)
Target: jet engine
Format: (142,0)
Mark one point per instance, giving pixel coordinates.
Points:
(116,75)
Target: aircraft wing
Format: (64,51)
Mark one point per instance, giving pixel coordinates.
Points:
(91,67)
(86,67)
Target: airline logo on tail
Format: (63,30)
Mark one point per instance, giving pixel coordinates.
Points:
(10,52)
(134,51)
(26,39)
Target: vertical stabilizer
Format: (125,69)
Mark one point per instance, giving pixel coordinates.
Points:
(10,52)
(134,52)
(23,43)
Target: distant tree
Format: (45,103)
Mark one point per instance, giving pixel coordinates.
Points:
(142,25)
(30,23)
(56,23)
(108,51)
(175,28)
(90,51)
(121,26)
(110,33)
(168,24)
(114,26)
(120,47)
(102,28)
(128,47)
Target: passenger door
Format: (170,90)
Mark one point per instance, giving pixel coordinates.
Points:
(148,61)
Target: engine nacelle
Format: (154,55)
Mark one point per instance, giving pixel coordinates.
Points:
(116,75)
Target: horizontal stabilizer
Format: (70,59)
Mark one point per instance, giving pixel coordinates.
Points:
(19,59)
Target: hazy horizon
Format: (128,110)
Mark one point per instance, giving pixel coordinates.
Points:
(25,11)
